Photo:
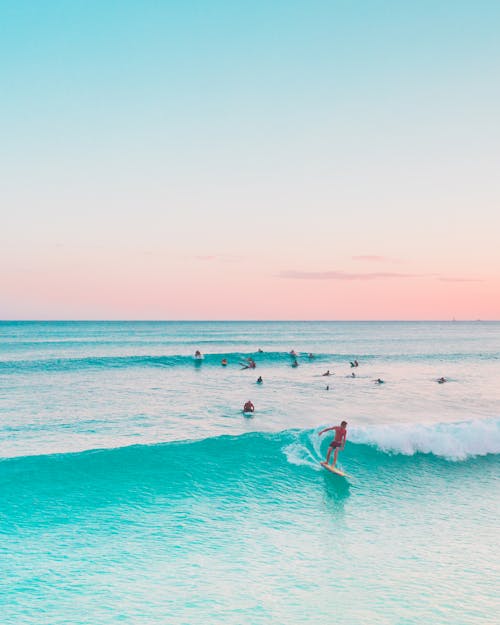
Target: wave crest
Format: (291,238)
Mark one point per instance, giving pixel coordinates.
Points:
(453,441)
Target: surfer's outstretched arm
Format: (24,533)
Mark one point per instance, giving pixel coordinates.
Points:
(326,430)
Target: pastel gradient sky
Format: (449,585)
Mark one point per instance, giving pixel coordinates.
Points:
(249,160)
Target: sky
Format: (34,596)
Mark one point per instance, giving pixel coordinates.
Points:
(249,160)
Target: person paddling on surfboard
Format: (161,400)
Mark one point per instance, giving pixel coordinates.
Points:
(249,364)
(338,441)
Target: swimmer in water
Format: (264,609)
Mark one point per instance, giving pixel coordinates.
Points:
(310,356)
(197,354)
(248,407)
(223,362)
(295,363)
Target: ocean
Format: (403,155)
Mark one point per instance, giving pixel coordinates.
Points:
(134,490)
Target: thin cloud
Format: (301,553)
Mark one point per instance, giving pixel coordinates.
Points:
(344,275)
(460,280)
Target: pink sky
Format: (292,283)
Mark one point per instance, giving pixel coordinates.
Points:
(264,161)
(66,284)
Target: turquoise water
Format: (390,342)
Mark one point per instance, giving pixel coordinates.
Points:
(132,488)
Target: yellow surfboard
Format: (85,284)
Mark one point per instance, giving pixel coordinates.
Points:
(328,467)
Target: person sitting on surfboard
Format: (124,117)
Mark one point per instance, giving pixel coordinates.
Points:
(259,380)
(248,407)
(338,442)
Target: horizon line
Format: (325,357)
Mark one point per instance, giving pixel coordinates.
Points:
(101,320)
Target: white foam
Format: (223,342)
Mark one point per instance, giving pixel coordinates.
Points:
(298,454)
(454,441)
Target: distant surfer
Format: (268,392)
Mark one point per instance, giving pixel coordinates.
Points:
(261,351)
(249,364)
(295,363)
(259,380)
(441,380)
(248,407)
(310,355)
(198,355)
(379,381)
(354,363)
(223,362)
(327,373)
(293,353)
(338,442)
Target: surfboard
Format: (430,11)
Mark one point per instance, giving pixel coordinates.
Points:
(334,470)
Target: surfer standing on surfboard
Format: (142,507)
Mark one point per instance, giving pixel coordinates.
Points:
(338,442)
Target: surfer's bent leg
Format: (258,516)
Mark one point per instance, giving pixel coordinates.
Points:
(328,455)
(330,449)
(335,456)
